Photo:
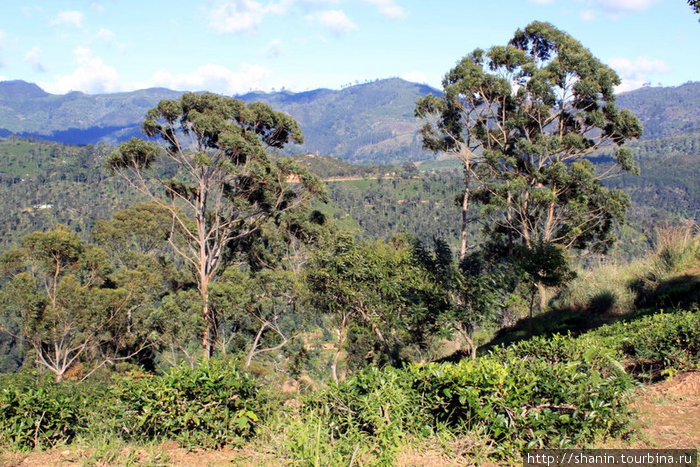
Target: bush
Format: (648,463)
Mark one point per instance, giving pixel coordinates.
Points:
(561,391)
(655,345)
(525,403)
(37,413)
(210,405)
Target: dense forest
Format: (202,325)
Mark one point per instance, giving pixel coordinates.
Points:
(199,285)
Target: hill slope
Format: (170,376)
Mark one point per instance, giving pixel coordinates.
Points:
(74,118)
(366,123)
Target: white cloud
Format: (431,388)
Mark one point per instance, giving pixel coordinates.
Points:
(587,15)
(105,35)
(33,58)
(93,76)
(217,78)
(335,20)
(634,74)
(415,77)
(245,16)
(388,8)
(613,9)
(236,16)
(73,17)
(31,11)
(97,6)
(275,49)
(625,6)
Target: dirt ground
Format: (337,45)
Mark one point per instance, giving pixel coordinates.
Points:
(668,416)
(669,412)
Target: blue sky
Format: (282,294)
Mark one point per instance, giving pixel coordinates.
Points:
(233,46)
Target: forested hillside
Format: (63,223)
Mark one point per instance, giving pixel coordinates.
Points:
(42,184)
(365,123)
(665,111)
(226,283)
(74,118)
(371,123)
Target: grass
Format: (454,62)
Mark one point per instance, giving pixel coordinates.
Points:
(669,277)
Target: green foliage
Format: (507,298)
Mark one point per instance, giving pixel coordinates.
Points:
(553,392)
(379,294)
(525,404)
(523,118)
(35,413)
(377,405)
(211,404)
(61,297)
(654,345)
(225,187)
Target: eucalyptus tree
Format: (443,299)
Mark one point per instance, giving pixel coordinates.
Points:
(225,185)
(61,297)
(695,5)
(524,118)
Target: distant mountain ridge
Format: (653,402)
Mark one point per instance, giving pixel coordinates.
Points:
(365,123)
(75,118)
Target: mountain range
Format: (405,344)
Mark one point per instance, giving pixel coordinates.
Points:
(366,123)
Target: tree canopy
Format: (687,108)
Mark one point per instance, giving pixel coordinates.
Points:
(523,118)
(224,187)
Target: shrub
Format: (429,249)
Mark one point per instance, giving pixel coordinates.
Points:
(210,405)
(656,344)
(37,413)
(525,403)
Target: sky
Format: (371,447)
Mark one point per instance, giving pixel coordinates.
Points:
(235,46)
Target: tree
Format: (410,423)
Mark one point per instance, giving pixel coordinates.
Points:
(225,186)
(380,299)
(61,297)
(475,289)
(525,119)
(695,5)
(543,265)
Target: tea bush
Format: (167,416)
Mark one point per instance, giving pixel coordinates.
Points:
(661,342)
(552,392)
(210,405)
(525,403)
(37,413)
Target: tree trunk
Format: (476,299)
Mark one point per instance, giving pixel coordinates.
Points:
(465,219)
(254,346)
(542,292)
(532,304)
(206,314)
(336,357)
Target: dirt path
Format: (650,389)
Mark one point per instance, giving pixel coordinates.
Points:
(669,412)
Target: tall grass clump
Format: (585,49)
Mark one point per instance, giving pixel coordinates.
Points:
(621,289)
(677,249)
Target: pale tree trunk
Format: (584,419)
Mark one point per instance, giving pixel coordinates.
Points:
(542,295)
(341,341)
(542,292)
(206,314)
(467,336)
(465,219)
(249,358)
(254,350)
